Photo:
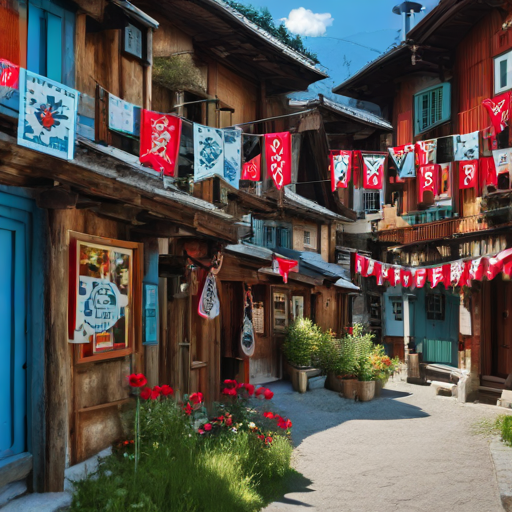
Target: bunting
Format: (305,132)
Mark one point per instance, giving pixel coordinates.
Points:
(425,152)
(466,147)
(403,158)
(252,169)
(427,181)
(502,161)
(488,175)
(468,174)
(373,170)
(445,149)
(420,277)
(160,141)
(278,152)
(9,74)
(232,156)
(499,110)
(208,152)
(341,169)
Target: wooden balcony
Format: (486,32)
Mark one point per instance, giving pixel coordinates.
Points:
(433,230)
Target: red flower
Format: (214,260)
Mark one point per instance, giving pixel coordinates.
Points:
(145,394)
(137,380)
(126,443)
(284,424)
(269,415)
(248,387)
(260,391)
(156,392)
(230,383)
(229,391)
(207,427)
(47,117)
(261,436)
(200,431)
(228,422)
(196,398)
(268,440)
(268,394)
(187,409)
(167,390)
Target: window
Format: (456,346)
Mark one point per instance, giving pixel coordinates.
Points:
(503,72)
(50,41)
(397,310)
(307,237)
(283,238)
(431,107)
(371,201)
(280,301)
(435,307)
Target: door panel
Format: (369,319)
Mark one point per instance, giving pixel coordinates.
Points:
(13,344)
(503,350)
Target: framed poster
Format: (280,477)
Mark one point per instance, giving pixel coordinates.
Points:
(280,310)
(101,296)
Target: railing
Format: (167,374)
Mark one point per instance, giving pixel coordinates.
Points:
(441,229)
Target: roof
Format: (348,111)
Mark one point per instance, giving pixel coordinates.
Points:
(345,110)
(223,34)
(432,40)
(295,200)
(136,13)
(312,264)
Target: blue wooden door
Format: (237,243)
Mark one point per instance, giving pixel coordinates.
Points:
(13,337)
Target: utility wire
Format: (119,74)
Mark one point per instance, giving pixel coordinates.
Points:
(352,42)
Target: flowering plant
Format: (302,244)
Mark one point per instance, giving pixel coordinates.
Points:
(383,366)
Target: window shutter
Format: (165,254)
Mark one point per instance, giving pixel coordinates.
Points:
(431,107)
(54,47)
(258,232)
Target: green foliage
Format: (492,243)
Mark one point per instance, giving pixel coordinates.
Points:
(263,19)
(177,73)
(184,472)
(383,365)
(303,341)
(504,423)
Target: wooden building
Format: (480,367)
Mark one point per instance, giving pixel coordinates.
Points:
(431,86)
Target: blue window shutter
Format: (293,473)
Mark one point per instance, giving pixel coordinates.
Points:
(432,107)
(258,232)
(54,47)
(446,113)
(36,40)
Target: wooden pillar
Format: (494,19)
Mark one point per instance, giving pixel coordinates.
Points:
(148,71)
(58,353)
(163,248)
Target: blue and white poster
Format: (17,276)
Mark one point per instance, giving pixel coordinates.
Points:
(232,156)
(208,152)
(47,119)
(466,147)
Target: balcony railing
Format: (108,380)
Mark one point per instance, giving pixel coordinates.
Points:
(441,229)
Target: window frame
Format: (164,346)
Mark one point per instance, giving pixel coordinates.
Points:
(504,57)
(445,107)
(395,312)
(433,312)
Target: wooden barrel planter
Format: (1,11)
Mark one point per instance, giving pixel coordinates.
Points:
(299,376)
(365,390)
(333,383)
(349,388)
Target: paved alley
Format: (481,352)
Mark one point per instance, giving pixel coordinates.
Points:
(408,451)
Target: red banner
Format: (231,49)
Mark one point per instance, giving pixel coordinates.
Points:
(406,278)
(360,264)
(455,274)
(373,170)
(252,169)
(493,267)
(425,152)
(160,141)
(468,174)
(435,276)
(499,110)
(285,266)
(488,174)
(278,152)
(475,269)
(420,277)
(9,74)
(427,180)
(341,169)
(374,268)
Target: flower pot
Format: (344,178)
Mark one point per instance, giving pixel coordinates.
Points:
(349,388)
(365,390)
(333,383)
(379,385)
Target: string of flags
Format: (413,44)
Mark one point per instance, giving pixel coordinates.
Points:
(48,116)
(454,274)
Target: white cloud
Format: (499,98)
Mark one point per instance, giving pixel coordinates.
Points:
(305,22)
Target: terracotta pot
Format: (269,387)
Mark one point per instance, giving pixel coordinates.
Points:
(349,388)
(365,390)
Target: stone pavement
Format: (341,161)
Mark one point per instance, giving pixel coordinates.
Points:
(408,451)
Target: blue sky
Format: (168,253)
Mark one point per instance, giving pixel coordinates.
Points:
(356,33)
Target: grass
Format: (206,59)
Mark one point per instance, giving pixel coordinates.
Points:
(180,471)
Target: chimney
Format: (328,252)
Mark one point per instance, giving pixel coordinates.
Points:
(407,10)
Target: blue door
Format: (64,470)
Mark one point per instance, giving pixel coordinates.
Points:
(13,337)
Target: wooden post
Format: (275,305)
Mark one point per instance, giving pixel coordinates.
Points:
(148,70)
(58,374)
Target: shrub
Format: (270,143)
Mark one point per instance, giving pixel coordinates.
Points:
(303,340)
(505,425)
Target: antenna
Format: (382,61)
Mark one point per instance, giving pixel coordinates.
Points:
(407,10)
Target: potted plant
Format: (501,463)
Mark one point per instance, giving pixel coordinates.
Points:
(328,359)
(383,367)
(300,349)
(363,347)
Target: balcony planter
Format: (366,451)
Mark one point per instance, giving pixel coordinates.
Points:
(299,376)
(365,390)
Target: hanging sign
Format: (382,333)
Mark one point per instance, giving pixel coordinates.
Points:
(232,156)
(445,149)
(435,276)
(284,266)
(420,277)
(252,169)
(341,168)
(455,274)
(427,181)
(475,269)
(468,174)
(361,263)
(425,152)
(373,170)
(488,175)
(499,110)
(121,115)
(278,152)
(406,278)
(247,336)
(208,152)
(502,161)
(403,158)
(209,304)
(47,118)
(466,147)
(160,141)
